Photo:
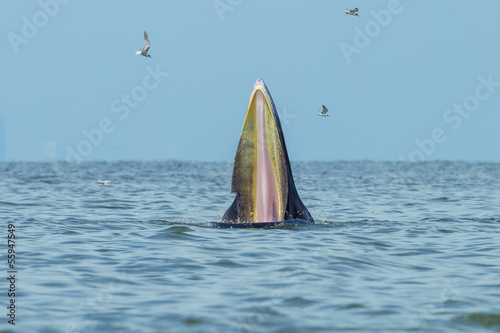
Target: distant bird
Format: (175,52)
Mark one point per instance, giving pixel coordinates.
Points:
(353,12)
(105,182)
(144,51)
(324,112)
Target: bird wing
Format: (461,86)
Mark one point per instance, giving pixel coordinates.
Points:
(325,110)
(355,10)
(147,45)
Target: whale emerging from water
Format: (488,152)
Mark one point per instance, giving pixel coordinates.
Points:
(262,177)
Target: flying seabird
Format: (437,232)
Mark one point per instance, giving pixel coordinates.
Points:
(353,12)
(144,51)
(324,112)
(105,182)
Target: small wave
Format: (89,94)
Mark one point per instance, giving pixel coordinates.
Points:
(18,203)
(483,319)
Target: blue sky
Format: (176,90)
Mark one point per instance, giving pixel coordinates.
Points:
(407,80)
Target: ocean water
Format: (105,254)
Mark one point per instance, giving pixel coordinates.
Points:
(398,247)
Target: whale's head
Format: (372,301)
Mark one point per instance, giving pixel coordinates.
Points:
(262,176)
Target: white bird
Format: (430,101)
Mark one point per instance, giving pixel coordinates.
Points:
(324,112)
(353,12)
(105,182)
(144,51)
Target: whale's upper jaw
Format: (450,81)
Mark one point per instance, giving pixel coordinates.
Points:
(262,177)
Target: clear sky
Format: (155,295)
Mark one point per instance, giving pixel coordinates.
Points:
(413,80)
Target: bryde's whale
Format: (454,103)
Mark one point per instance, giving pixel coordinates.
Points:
(262,177)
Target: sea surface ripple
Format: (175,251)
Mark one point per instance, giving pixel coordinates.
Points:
(398,247)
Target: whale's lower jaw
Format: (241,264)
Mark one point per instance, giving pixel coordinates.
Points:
(258,225)
(262,177)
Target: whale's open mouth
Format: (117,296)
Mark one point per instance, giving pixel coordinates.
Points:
(259,175)
(262,177)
